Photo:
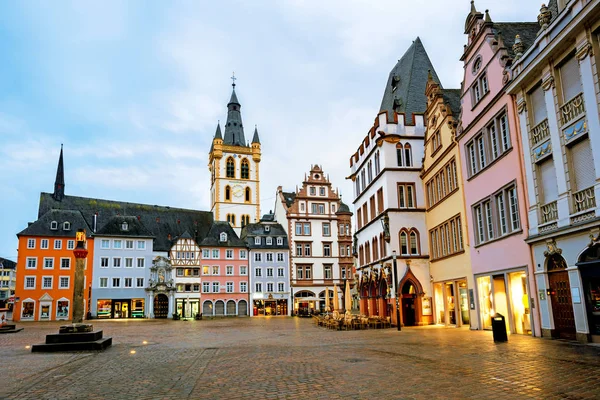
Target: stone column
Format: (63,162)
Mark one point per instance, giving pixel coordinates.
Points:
(80,253)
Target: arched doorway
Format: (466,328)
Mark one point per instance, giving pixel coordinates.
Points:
(161,306)
(219,308)
(231,307)
(207,308)
(242,308)
(560,297)
(589,268)
(373,309)
(409,296)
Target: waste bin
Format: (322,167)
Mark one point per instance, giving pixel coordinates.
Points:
(499,328)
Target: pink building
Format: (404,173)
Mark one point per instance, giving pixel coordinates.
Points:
(495,189)
(224,277)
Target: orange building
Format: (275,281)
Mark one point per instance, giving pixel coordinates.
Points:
(46,267)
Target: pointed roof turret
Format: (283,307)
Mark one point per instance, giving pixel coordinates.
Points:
(59,182)
(255,138)
(218,132)
(405,89)
(234,129)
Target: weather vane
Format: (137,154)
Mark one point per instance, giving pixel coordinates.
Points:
(233,78)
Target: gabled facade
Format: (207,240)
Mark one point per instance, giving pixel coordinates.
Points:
(554,82)
(46,267)
(450,264)
(389,198)
(234,171)
(494,186)
(185,260)
(269,273)
(8,281)
(121,268)
(224,277)
(311,218)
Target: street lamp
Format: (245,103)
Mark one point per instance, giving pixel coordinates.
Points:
(395,283)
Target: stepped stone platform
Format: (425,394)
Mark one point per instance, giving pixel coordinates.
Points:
(76,337)
(9,328)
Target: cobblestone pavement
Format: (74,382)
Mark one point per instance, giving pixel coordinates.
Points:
(291,358)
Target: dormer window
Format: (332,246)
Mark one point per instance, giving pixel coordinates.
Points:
(53,225)
(279,241)
(257,241)
(125,226)
(223,237)
(269,241)
(66,226)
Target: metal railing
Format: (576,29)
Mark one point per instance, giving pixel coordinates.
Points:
(549,212)
(572,109)
(584,200)
(540,132)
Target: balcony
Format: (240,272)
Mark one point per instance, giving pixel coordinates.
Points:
(584,200)
(540,132)
(549,212)
(572,109)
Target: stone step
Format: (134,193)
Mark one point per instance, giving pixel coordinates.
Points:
(100,344)
(74,337)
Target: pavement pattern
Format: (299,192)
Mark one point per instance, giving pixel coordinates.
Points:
(291,358)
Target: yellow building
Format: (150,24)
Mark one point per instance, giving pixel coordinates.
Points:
(450,267)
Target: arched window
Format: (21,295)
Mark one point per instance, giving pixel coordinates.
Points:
(245,169)
(247,195)
(414,242)
(367,252)
(404,243)
(377,163)
(399,149)
(382,244)
(375,249)
(227,193)
(407,155)
(230,168)
(361,257)
(245,220)
(231,219)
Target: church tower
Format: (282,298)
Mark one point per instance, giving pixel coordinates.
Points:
(234,171)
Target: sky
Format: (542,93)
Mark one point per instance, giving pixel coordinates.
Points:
(134,90)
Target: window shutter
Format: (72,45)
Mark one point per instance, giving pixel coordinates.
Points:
(538,105)
(570,79)
(583,165)
(548,180)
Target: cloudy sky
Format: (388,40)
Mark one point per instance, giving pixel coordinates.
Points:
(134,90)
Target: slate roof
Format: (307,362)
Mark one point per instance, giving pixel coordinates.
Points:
(452,98)
(234,129)
(8,264)
(255,138)
(343,208)
(409,77)
(250,231)
(553,7)
(41,227)
(289,198)
(113,227)
(526,30)
(165,223)
(213,236)
(268,217)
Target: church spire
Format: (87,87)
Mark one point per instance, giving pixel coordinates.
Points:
(234,129)
(59,183)
(255,138)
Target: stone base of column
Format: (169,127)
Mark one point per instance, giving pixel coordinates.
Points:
(74,337)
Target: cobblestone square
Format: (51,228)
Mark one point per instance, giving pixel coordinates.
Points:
(291,358)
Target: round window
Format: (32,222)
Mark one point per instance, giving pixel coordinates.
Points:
(477,65)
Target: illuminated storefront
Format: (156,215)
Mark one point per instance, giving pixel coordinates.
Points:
(187,308)
(505,293)
(452,303)
(270,307)
(120,308)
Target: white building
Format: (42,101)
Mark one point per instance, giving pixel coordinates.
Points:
(320,235)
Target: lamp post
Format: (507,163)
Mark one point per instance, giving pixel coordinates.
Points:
(395,283)
(80,253)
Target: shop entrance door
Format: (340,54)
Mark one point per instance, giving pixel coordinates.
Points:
(562,306)
(408,310)
(161,306)
(450,304)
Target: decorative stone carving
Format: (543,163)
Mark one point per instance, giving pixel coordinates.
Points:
(518,47)
(552,248)
(521,106)
(594,236)
(583,50)
(544,17)
(548,83)
(505,77)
